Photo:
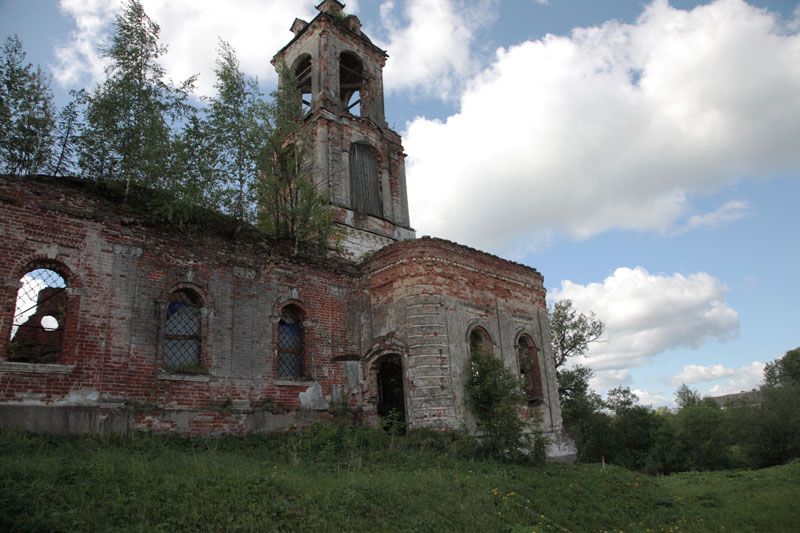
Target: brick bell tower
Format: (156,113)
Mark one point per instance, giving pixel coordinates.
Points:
(358,158)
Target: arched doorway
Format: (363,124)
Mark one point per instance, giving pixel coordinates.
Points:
(391,396)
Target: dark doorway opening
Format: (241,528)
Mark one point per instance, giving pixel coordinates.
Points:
(391,401)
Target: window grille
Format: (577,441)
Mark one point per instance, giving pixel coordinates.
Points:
(38,326)
(182,332)
(290,344)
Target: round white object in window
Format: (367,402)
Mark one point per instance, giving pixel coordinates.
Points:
(49,323)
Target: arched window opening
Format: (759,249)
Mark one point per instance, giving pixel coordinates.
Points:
(37,330)
(479,341)
(182,332)
(290,342)
(351,82)
(365,186)
(303,74)
(529,368)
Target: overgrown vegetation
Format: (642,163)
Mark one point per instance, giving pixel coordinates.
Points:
(340,478)
(494,396)
(699,434)
(242,156)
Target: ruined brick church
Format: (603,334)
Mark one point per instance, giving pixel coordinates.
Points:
(111,324)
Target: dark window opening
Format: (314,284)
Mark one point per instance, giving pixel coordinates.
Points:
(182,332)
(365,186)
(480,341)
(303,74)
(391,400)
(290,342)
(351,82)
(37,330)
(529,368)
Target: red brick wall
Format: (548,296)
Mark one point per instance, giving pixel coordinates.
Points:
(119,272)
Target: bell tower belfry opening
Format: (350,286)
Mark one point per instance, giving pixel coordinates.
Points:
(359,160)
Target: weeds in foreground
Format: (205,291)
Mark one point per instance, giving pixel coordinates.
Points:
(349,479)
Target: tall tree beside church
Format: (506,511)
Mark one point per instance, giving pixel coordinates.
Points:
(27,113)
(291,205)
(129,117)
(237,127)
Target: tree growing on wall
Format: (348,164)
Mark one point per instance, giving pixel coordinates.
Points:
(27,113)
(129,117)
(290,202)
(237,130)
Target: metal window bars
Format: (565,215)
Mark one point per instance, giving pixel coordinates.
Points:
(39,316)
(182,333)
(290,347)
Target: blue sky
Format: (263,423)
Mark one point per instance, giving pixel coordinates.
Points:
(644,156)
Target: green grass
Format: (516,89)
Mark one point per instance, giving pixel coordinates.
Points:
(357,479)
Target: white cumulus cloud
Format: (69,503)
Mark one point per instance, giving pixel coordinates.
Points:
(191,29)
(431,44)
(613,126)
(697,374)
(647,314)
(742,379)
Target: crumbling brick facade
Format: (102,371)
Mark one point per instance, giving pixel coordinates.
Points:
(108,323)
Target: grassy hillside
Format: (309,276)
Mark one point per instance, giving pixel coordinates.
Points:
(355,479)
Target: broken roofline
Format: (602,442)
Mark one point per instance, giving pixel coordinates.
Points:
(323,14)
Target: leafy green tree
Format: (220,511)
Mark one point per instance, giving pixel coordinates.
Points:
(686,396)
(129,117)
(701,437)
(27,113)
(493,395)
(621,398)
(581,411)
(635,429)
(784,371)
(67,131)
(290,203)
(238,127)
(571,331)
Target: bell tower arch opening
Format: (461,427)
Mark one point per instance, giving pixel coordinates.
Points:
(351,82)
(302,72)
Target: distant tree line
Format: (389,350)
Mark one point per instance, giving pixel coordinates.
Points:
(239,154)
(697,435)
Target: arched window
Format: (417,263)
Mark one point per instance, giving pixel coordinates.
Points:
(302,72)
(183,331)
(37,331)
(351,82)
(529,368)
(365,186)
(290,342)
(479,340)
